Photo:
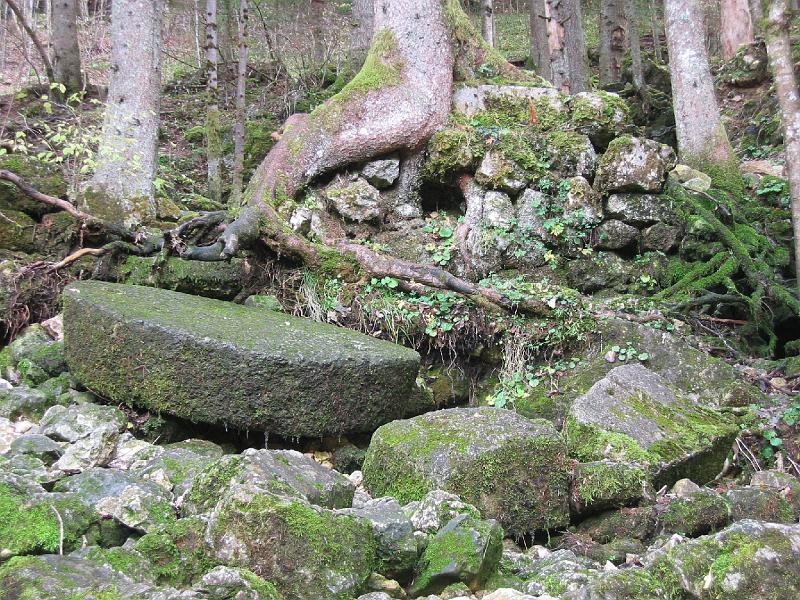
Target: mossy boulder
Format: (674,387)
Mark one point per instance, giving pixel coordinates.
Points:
(357,201)
(637,523)
(762,503)
(24,402)
(222,280)
(35,350)
(176,353)
(600,115)
(600,271)
(632,414)
(634,164)
(602,485)
(449,154)
(177,552)
(466,550)
(16,231)
(571,154)
(695,514)
(641,210)
(46,178)
(510,468)
(308,552)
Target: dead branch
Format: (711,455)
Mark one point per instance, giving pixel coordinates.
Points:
(33,193)
(48,66)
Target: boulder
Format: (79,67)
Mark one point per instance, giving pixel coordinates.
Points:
(615,235)
(17,231)
(178,551)
(510,468)
(580,196)
(214,279)
(634,165)
(44,177)
(602,485)
(174,469)
(24,402)
(37,347)
(600,115)
(764,503)
(571,154)
(691,179)
(465,550)
(633,414)
(786,484)
(498,173)
(660,237)
(695,514)
(382,173)
(489,215)
(225,583)
(175,353)
(600,271)
(436,509)
(37,445)
(355,200)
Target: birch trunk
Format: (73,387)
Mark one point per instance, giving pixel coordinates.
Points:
(239,128)
(567,45)
(66,52)
(779,50)
(213,125)
(702,140)
(737,26)
(121,190)
(613,39)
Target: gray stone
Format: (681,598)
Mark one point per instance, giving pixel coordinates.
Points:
(615,235)
(600,115)
(488,215)
(762,503)
(640,210)
(70,424)
(498,173)
(786,484)
(634,165)
(453,449)
(39,446)
(572,154)
(94,450)
(695,514)
(131,452)
(660,237)
(382,173)
(30,467)
(436,509)
(684,487)
(355,200)
(602,485)
(174,469)
(600,271)
(297,377)
(23,401)
(220,279)
(226,583)
(582,196)
(649,423)
(300,221)
(471,99)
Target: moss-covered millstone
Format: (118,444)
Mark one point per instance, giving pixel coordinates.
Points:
(632,414)
(308,552)
(216,279)
(221,363)
(512,469)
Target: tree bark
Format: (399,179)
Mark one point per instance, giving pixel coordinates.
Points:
(239,131)
(635,43)
(702,140)
(567,44)
(66,52)
(737,26)
(363,26)
(20,15)
(121,190)
(657,51)
(540,47)
(613,39)
(318,30)
(487,21)
(779,50)
(213,115)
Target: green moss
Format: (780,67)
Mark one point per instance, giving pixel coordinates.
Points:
(588,443)
(382,68)
(177,552)
(601,483)
(449,153)
(696,514)
(264,589)
(209,484)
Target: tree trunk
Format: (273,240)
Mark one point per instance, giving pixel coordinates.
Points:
(635,43)
(737,26)
(66,52)
(213,125)
(540,47)
(613,39)
(756,15)
(318,31)
(702,140)
(121,190)
(20,15)
(657,52)
(239,131)
(567,45)
(779,50)
(487,21)
(363,25)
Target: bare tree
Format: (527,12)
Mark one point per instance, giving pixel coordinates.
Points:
(121,190)
(487,21)
(567,44)
(20,15)
(613,39)
(657,52)
(702,140)
(737,26)
(779,50)
(239,128)
(66,52)
(213,115)
(363,23)
(540,46)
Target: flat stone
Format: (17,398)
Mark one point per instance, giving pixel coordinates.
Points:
(471,99)
(225,364)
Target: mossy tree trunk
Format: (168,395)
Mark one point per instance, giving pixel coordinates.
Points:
(66,52)
(363,25)
(702,140)
(737,26)
(613,39)
(779,50)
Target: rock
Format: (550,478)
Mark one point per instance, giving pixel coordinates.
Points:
(466,550)
(615,235)
(45,177)
(561,571)
(748,67)
(132,501)
(763,167)
(300,221)
(380,584)
(749,560)
(356,200)
(37,445)
(633,414)
(571,154)
(96,449)
(24,402)
(284,472)
(511,469)
(472,99)
(640,210)
(489,209)
(691,179)
(489,215)
(309,552)
(600,115)
(684,488)
(509,594)
(123,559)
(174,469)
(695,514)
(222,280)
(436,509)
(70,424)
(132,453)
(498,173)
(265,301)
(225,583)
(30,467)
(54,327)
(382,173)
(449,154)
(177,550)
(16,231)
(762,503)
(788,486)
(298,377)
(8,434)
(582,197)
(634,165)
(602,485)
(348,459)
(394,535)
(600,271)
(660,237)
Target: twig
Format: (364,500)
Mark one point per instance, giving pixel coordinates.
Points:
(75,256)
(60,531)
(32,192)
(748,454)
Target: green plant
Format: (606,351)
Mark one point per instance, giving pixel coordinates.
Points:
(443,246)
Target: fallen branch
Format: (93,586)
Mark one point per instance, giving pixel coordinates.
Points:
(32,192)
(75,256)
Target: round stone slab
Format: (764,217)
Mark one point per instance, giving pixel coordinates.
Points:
(217,362)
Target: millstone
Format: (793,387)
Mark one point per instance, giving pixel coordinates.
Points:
(222,363)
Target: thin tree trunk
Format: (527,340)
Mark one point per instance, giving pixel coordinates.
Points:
(20,15)
(198,52)
(613,39)
(213,125)
(66,52)
(121,190)
(318,30)
(657,51)
(737,26)
(540,48)
(241,83)
(567,44)
(779,50)
(487,21)
(635,43)
(702,140)
(363,24)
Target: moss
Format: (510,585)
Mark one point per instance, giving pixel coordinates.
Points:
(449,153)
(588,443)
(382,68)
(264,589)
(604,484)
(209,484)
(220,280)
(177,552)
(195,134)
(697,514)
